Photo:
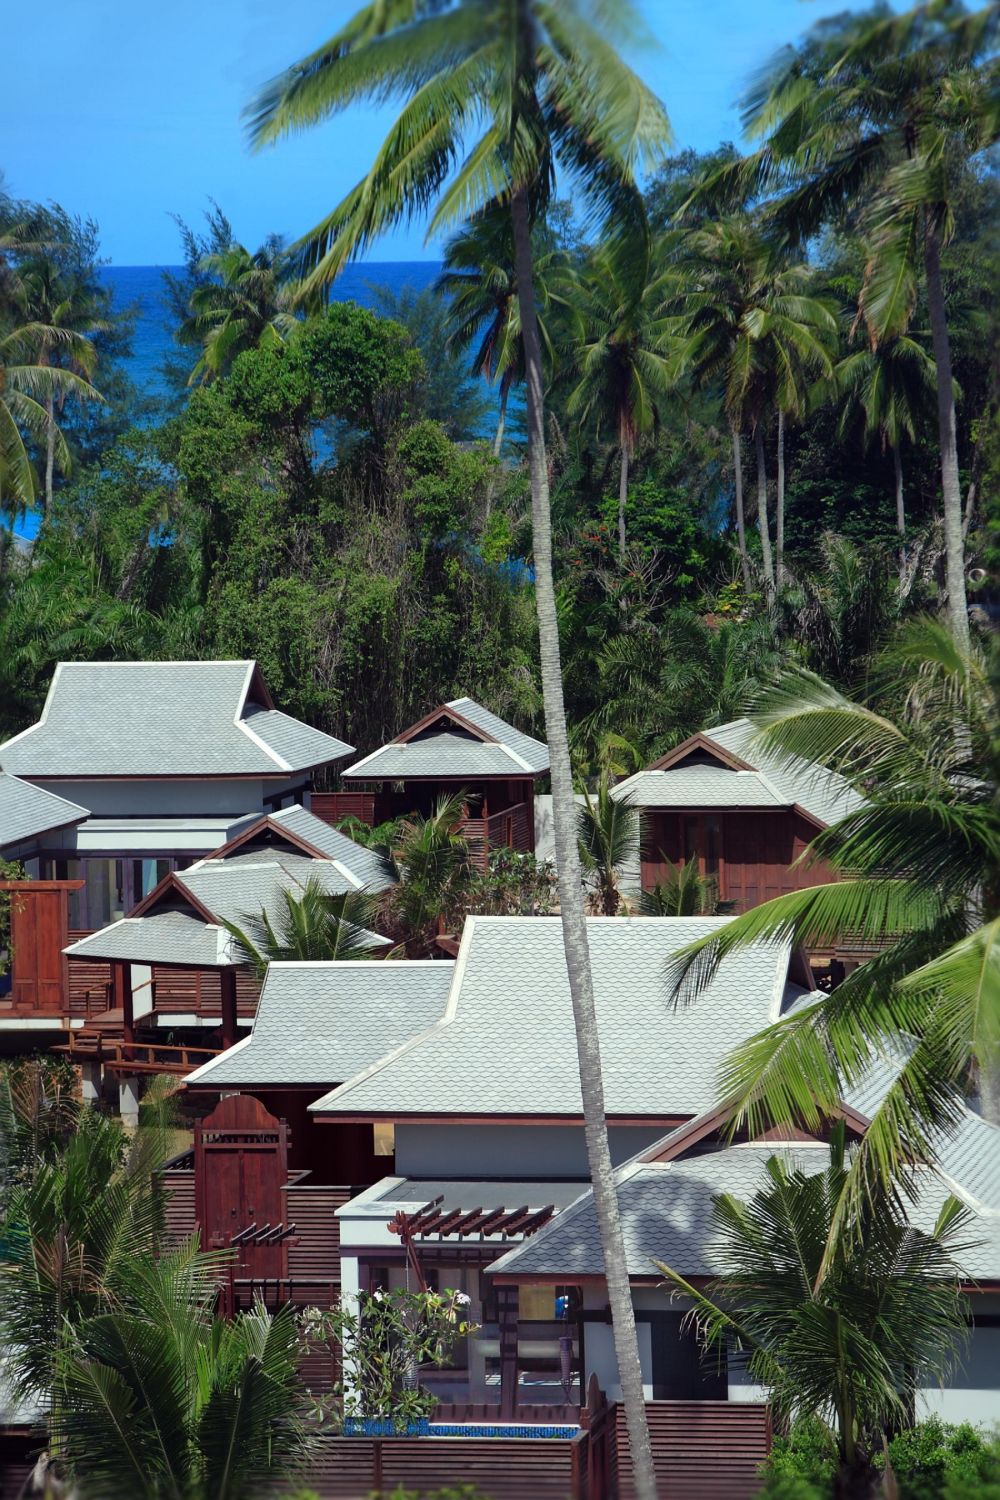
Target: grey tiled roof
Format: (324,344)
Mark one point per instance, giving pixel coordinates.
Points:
(699,786)
(969,1157)
(666,1211)
(243,885)
(163,718)
(456,752)
(27,811)
(167,937)
(508,1046)
(367,867)
(824,794)
(320,1022)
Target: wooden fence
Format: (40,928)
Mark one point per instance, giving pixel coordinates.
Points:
(703,1450)
(334,807)
(502,1468)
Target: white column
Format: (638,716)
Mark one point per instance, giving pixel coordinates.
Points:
(90,1082)
(128,1102)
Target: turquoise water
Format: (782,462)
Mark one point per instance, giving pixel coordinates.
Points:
(141,288)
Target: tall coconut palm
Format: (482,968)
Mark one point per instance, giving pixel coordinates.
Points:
(625,372)
(479,279)
(243,305)
(29,385)
(919,863)
(884,110)
(496,94)
(752,323)
(889,385)
(843,1347)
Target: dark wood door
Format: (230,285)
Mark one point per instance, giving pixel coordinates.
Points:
(680,1372)
(241,1167)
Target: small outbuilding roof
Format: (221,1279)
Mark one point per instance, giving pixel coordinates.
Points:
(727,767)
(318,1022)
(164,718)
(459,739)
(507,1045)
(166,937)
(299,829)
(27,811)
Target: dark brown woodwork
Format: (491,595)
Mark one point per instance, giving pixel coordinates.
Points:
(241,1166)
(334,807)
(702,1450)
(121,997)
(507,1297)
(700,747)
(755,855)
(227,985)
(39,931)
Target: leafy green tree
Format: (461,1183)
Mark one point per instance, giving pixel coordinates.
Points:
(625,371)
(918,864)
(29,386)
(311,928)
(495,93)
(685,892)
(842,1346)
(434,872)
(241,303)
(446,394)
(884,110)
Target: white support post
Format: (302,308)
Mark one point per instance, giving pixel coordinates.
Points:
(128,1102)
(90,1082)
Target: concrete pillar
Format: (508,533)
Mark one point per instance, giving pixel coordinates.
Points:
(128,1101)
(90,1082)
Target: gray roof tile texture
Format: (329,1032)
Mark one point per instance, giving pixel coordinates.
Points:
(167,937)
(780,781)
(666,1212)
(160,719)
(242,886)
(509,1044)
(456,752)
(364,864)
(317,1023)
(27,811)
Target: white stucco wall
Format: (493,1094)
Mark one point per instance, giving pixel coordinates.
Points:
(161,799)
(508,1151)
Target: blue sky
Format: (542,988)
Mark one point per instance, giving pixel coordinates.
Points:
(129,110)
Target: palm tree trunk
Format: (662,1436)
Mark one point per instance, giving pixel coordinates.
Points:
(741,527)
(50,451)
(574,922)
(502,422)
(954,549)
(897,467)
(779,531)
(622,500)
(762,521)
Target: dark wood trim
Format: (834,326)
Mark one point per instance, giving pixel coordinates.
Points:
(442,712)
(275,775)
(517,773)
(695,742)
(42,885)
(264,822)
(656,1122)
(803,813)
(172,881)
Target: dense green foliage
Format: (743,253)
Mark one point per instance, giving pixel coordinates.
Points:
(934,1460)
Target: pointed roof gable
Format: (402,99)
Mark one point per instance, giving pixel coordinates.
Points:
(164,718)
(458,739)
(27,811)
(296,830)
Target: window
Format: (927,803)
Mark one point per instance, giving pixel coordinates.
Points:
(383,1139)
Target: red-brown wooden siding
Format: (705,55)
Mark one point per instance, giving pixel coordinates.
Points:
(702,1450)
(334,807)
(756,855)
(503,1469)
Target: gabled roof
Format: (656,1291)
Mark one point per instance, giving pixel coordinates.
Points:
(319,1022)
(727,767)
(507,1045)
(667,1214)
(460,738)
(299,830)
(27,811)
(166,937)
(164,718)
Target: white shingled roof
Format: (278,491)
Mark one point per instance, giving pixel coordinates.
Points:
(775,780)
(166,937)
(507,1044)
(320,1022)
(162,718)
(26,811)
(452,751)
(667,1214)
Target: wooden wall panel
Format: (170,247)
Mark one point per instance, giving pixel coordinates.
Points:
(702,1450)
(333,807)
(504,1469)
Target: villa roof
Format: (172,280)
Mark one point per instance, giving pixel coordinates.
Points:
(667,1214)
(166,937)
(317,1022)
(459,739)
(164,718)
(727,767)
(507,1047)
(26,811)
(299,829)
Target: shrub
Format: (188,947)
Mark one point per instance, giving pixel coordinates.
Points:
(802,1463)
(938,1461)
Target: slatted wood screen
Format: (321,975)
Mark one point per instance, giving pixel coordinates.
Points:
(314,1251)
(502,1468)
(334,807)
(178,1185)
(703,1450)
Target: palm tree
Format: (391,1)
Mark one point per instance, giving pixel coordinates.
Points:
(684,893)
(496,94)
(609,841)
(751,322)
(313,927)
(29,385)
(479,280)
(886,110)
(433,867)
(919,868)
(843,1347)
(243,305)
(888,384)
(162,1398)
(625,375)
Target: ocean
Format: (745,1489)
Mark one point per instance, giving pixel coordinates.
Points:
(141,288)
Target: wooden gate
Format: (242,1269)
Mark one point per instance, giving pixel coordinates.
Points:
(39,931)
(240,1168)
